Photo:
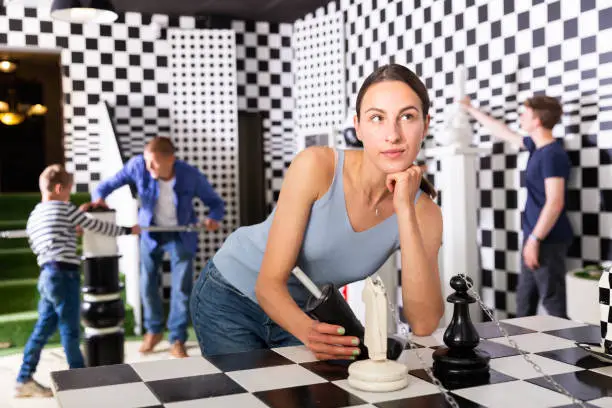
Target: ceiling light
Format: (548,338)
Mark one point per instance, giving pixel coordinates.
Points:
(37,110)
(84,11)
(7,66)
(11,118)
(4,106)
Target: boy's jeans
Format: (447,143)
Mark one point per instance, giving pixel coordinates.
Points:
(181,265)
(59,305)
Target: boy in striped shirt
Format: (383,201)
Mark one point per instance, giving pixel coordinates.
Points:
(52,234)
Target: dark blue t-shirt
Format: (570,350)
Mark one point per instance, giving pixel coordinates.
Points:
(550,160)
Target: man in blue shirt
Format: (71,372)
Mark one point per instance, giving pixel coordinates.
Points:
(166,187)
(546,228)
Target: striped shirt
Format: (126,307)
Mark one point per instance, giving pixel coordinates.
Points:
(51,230)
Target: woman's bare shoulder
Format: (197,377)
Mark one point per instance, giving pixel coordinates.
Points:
(318,162)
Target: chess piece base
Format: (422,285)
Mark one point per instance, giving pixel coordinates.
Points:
(465,367)
(378,376)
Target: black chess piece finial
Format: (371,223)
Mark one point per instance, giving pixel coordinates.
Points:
(461,333)
(461,363)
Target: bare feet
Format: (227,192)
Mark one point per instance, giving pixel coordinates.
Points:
(149,342)
(178,350)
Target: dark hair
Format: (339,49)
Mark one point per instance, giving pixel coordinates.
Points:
(160,144)
(396,72)
(545,108)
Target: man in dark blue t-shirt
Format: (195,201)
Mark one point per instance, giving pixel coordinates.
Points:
(547,231)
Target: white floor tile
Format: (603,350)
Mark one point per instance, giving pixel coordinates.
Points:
(115,396)
(604,370)
(174,368)
(415,388)
(518,367)
(412,361)
(270,378)
(54,359)
(537,342)
(297,354)
(514,394)
(30,403)
(543,323)
(605,402)
(434,339)
(237,400)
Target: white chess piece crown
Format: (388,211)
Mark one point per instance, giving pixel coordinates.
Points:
(376,374)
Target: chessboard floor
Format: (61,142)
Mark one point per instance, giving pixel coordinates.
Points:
(291,377)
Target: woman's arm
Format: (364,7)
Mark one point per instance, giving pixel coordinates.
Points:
(420,229)
(307,179)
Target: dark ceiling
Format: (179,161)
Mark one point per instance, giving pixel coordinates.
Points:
(286,11)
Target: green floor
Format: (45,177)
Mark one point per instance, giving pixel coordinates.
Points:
(17,350)
(19,273)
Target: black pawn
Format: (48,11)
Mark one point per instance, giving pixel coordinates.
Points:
(461,363)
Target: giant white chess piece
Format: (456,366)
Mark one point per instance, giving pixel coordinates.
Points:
(457,130)
(376,374)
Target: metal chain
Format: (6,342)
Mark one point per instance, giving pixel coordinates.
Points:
(404,331)
(525,355)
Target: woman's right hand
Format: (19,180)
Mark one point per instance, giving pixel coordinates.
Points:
(328,342)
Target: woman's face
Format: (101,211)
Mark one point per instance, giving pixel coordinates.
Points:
(391,125)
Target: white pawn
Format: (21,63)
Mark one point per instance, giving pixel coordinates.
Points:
(376,374)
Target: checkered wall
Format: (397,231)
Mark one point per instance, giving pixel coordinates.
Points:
(264,55)
(511,50)
(204,118)
(128,64)
(318,44)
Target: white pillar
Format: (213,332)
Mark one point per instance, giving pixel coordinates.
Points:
(459,204)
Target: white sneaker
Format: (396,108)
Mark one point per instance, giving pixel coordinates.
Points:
(32,389)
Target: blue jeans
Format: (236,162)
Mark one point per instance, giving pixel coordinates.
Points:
(227,321)
(59,305)
(181,266)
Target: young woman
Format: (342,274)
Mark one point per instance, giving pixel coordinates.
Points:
(340,215)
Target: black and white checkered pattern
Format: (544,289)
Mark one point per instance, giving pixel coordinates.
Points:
(318,43)
(127,65)
(511,51)
(291,377)
(605,311)
(264,59)
(204,117)
(122,63)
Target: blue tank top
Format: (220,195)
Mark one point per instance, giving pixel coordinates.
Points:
(332,252)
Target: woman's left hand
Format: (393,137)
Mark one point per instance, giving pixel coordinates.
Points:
(404,186)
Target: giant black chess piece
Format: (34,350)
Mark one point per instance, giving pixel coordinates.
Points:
(461,363)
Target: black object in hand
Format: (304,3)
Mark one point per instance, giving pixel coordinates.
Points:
(332,308)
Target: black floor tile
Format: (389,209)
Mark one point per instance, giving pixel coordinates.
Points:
(94,377)
(495,377)
(331,372)
(497,350)
(489,330)
(574,356)
(428,401)
(324,395)
(582,334)
(249,360)
(584,385)
(194,387)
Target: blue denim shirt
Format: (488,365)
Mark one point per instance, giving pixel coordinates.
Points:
(189,183)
